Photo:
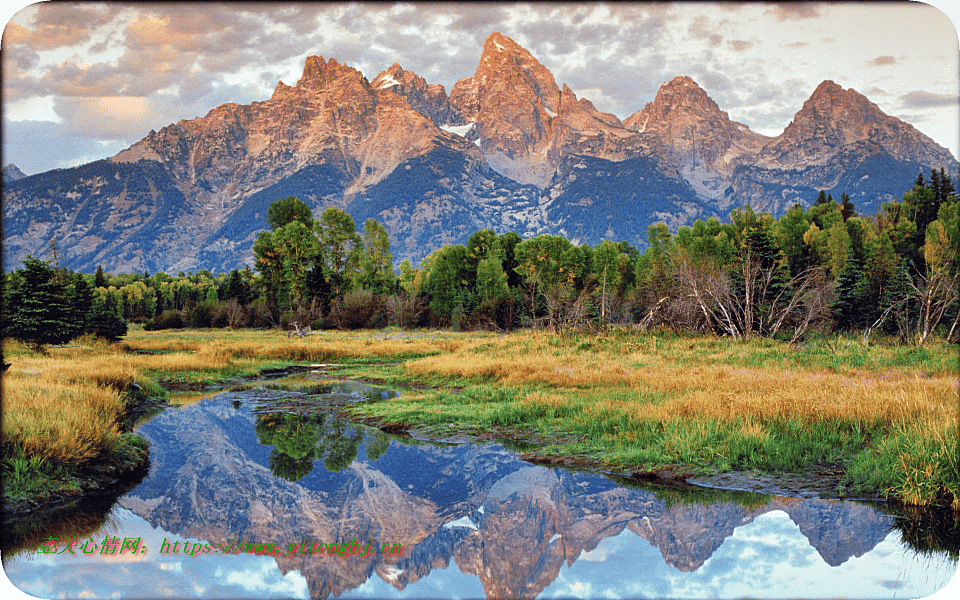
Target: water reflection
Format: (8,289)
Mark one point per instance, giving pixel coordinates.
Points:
(474,521)
(299,440)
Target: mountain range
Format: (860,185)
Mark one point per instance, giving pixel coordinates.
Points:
(507,149)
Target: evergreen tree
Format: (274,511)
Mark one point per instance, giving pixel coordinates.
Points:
(105,322)
(846,207)
(80,300)
(852,304)
(39,311)
(99,279)
(237,288)
(896,303)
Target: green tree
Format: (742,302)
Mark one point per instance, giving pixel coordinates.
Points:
(268,261)
(341,247)
(553,268)
(851,308)
(286,210)
(299,250)
(99,279)
(491,280)
(376,265)
(408,277)
(447,280)
(789,231)
(105,322)
(846,207)
(236,287)
(39,311)
(609,266)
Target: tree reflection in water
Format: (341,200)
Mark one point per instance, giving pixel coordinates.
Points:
(299,440)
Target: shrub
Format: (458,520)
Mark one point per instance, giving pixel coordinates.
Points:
(170,319)
(356,309)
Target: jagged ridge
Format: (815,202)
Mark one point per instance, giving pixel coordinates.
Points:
(501,151)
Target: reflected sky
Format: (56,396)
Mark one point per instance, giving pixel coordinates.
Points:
(768,557)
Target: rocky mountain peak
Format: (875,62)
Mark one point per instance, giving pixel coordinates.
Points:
(678,96)
(513,99)
(687,126)
(430,100)
(505,69)
(831,105)
(396,80)
(500,49)
(12,173)
(833,120)
(318,74)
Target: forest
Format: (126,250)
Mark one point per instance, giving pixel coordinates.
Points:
(811,272)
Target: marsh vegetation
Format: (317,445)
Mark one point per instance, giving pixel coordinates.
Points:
(882,417)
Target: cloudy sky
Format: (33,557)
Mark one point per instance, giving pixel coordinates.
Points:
(83,80)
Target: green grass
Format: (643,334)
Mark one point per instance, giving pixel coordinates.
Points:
(658,402)
(877,411)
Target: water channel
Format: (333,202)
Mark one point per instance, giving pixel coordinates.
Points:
(258,465)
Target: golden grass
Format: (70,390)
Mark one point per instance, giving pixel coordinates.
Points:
(707,391)
(275,345)
(68,422)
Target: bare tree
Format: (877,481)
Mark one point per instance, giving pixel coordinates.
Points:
(760,302)
(935,291)
(234,313)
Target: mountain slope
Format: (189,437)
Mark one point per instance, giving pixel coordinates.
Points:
(509,149)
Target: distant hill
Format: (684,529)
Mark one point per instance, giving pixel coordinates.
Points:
(12,173)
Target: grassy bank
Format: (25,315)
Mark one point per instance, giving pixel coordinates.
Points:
(62,422)
(883,415)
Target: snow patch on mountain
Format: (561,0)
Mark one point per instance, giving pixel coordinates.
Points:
(388,81)
(460,130)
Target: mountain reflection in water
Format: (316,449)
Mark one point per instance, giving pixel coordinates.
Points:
(474,521)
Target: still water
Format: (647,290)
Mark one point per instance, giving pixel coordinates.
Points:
(445,521)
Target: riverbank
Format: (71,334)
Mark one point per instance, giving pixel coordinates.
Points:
(67,424)
(860,419)
(68,413)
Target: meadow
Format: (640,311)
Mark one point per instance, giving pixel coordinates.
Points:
(882,415)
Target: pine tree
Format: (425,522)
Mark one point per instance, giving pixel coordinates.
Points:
(104,321)
(99,279)
(39,311)
(80,299)
(846,207)
(851,307)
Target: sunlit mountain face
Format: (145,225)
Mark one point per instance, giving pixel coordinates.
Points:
(509,149)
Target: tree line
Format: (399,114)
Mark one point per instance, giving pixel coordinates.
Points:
(813,270)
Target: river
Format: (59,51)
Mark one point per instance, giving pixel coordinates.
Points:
(241,469)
